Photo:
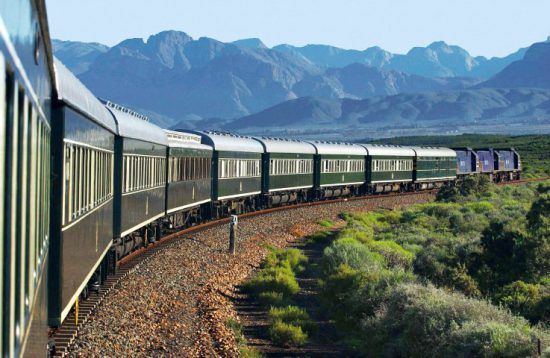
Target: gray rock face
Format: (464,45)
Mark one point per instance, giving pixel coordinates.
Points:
(78,56)
(359,81)
(531,71)
(437,60)
(250,43)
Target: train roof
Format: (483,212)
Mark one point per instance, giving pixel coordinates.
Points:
(185,140)
(283,145)
(223,141)
(70,90)
(434,152)
(135,126)
(388,150)
(505,149)
(338,148)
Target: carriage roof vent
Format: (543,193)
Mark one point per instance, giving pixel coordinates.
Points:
(124,109)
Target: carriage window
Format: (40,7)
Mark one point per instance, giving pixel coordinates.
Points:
(141,172)
(88,179)
(288,166)
(238,168)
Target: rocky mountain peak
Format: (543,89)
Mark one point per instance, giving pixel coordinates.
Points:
(254,43)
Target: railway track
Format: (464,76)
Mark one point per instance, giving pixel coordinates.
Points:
(65,335)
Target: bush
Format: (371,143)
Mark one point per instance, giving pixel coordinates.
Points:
(326,223)
(491,339)
(480,207)
(377,284)
(292,315)
(475,186)
(463,282)
(394,254)
(522,298)
(338,289)
(356,233)
(271,298)
(352,253)
(291,258)
(244,350)
(294,257)
(432,322)
(274,279)
(284,334)
(319,237)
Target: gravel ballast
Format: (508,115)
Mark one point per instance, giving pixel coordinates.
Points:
(177,302)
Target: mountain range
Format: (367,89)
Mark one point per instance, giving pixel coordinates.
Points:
(484,110)
(180,81)
(436,60)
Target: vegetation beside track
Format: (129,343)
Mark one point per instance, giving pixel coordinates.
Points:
(466,275)
(533,149)
(274,287)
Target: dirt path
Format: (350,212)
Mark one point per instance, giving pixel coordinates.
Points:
(322,342)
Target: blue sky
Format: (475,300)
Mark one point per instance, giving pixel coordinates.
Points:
(483,27)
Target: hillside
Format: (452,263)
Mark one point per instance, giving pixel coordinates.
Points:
(77,56)
(482,110)
(172,76)
(531,71)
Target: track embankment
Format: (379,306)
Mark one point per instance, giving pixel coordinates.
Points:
(177,301)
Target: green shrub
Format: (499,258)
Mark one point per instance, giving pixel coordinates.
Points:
(352,253)
(244,350)
(394,254)
(524,298)
(271,298)
(338,290)
(470,187)
(319,237)
(376,285)
(292,315)
(480,207)
(432,322)
(491,339)
(284,334)
(274,279)
(326,223)
(462,281)
(294,257)
(291,258)
(356,233)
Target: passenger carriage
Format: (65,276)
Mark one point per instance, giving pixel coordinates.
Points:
(26,77)
(189,183)
(433,167)
(236,172)
(139,182)
(82,214)
(389,168)
(287,167)
(339,169)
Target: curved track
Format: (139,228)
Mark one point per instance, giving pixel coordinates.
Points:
(66,334)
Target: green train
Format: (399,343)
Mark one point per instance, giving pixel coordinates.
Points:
(84,182)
